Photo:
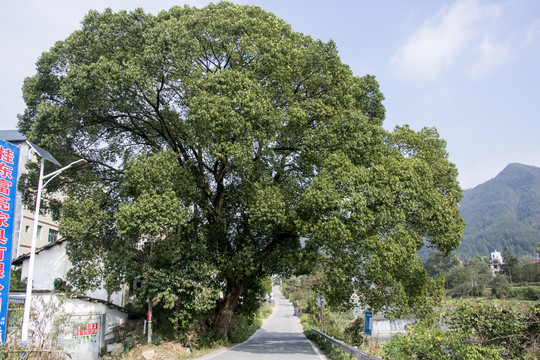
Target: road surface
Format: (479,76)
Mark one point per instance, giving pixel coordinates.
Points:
(281,337)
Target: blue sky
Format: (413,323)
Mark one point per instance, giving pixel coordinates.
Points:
(470,68)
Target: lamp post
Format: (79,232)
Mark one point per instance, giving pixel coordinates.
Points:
(45,155)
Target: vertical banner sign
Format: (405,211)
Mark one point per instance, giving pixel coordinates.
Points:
(9,166)
(367,322)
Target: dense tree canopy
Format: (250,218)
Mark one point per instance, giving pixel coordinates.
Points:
(439,263)
(470,279)
(224,146)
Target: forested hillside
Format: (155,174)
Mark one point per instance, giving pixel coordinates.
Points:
(505,211)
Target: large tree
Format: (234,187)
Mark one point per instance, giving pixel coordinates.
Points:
(223,131)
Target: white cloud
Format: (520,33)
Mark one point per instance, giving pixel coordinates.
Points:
(490,55)
(441,41)
(533,32)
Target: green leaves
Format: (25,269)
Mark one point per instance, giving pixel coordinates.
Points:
(152,207)
(85,225)
(371,221)
(151,215)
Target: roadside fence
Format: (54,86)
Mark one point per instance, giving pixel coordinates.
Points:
(355,352)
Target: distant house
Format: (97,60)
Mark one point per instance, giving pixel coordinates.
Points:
(496,262)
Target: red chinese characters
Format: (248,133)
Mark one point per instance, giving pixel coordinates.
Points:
(85,329)
(7,158)
(9,163)
(6,155)
(4,203)
(5,187)
(5,171)
(3,219)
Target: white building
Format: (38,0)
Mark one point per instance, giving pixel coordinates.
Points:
(496,257)
(51,263)
(92,319)
(496,262)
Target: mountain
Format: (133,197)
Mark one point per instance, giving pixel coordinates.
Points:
(504,211)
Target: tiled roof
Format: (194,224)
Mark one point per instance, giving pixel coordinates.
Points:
(11,135)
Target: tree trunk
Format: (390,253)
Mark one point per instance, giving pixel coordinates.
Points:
(226,312)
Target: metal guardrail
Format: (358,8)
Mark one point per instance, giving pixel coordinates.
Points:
(355,352)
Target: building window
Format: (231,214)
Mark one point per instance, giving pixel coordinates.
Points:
(137,284)
(53,235)
(38,235)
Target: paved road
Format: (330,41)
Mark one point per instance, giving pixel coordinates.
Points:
(280,337)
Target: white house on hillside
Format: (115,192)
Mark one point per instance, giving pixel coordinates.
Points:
(496,262)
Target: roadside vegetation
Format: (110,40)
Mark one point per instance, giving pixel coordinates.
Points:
(482,317)
(193,341)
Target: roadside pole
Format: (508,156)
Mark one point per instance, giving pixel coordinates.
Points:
(321,301)
(149,321)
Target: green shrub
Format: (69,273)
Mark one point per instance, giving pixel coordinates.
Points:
(477,330)
(242,328)
(244,325)
(428,342)
(490,323)
(132,339)
(501,287)
(531,293)
(354,332)
(15,283)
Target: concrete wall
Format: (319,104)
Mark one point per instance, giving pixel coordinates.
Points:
(87,326)
(79,309)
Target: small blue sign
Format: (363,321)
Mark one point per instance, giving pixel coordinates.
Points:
(9,166)
(367,322)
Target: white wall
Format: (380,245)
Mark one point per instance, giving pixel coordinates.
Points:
(52,263)
(48,265)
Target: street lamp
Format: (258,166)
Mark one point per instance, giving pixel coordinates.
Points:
(45,155)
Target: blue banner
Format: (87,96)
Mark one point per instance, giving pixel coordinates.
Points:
(9,166)
(367,322)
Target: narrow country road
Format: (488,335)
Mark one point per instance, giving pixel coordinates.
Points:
(280,337)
